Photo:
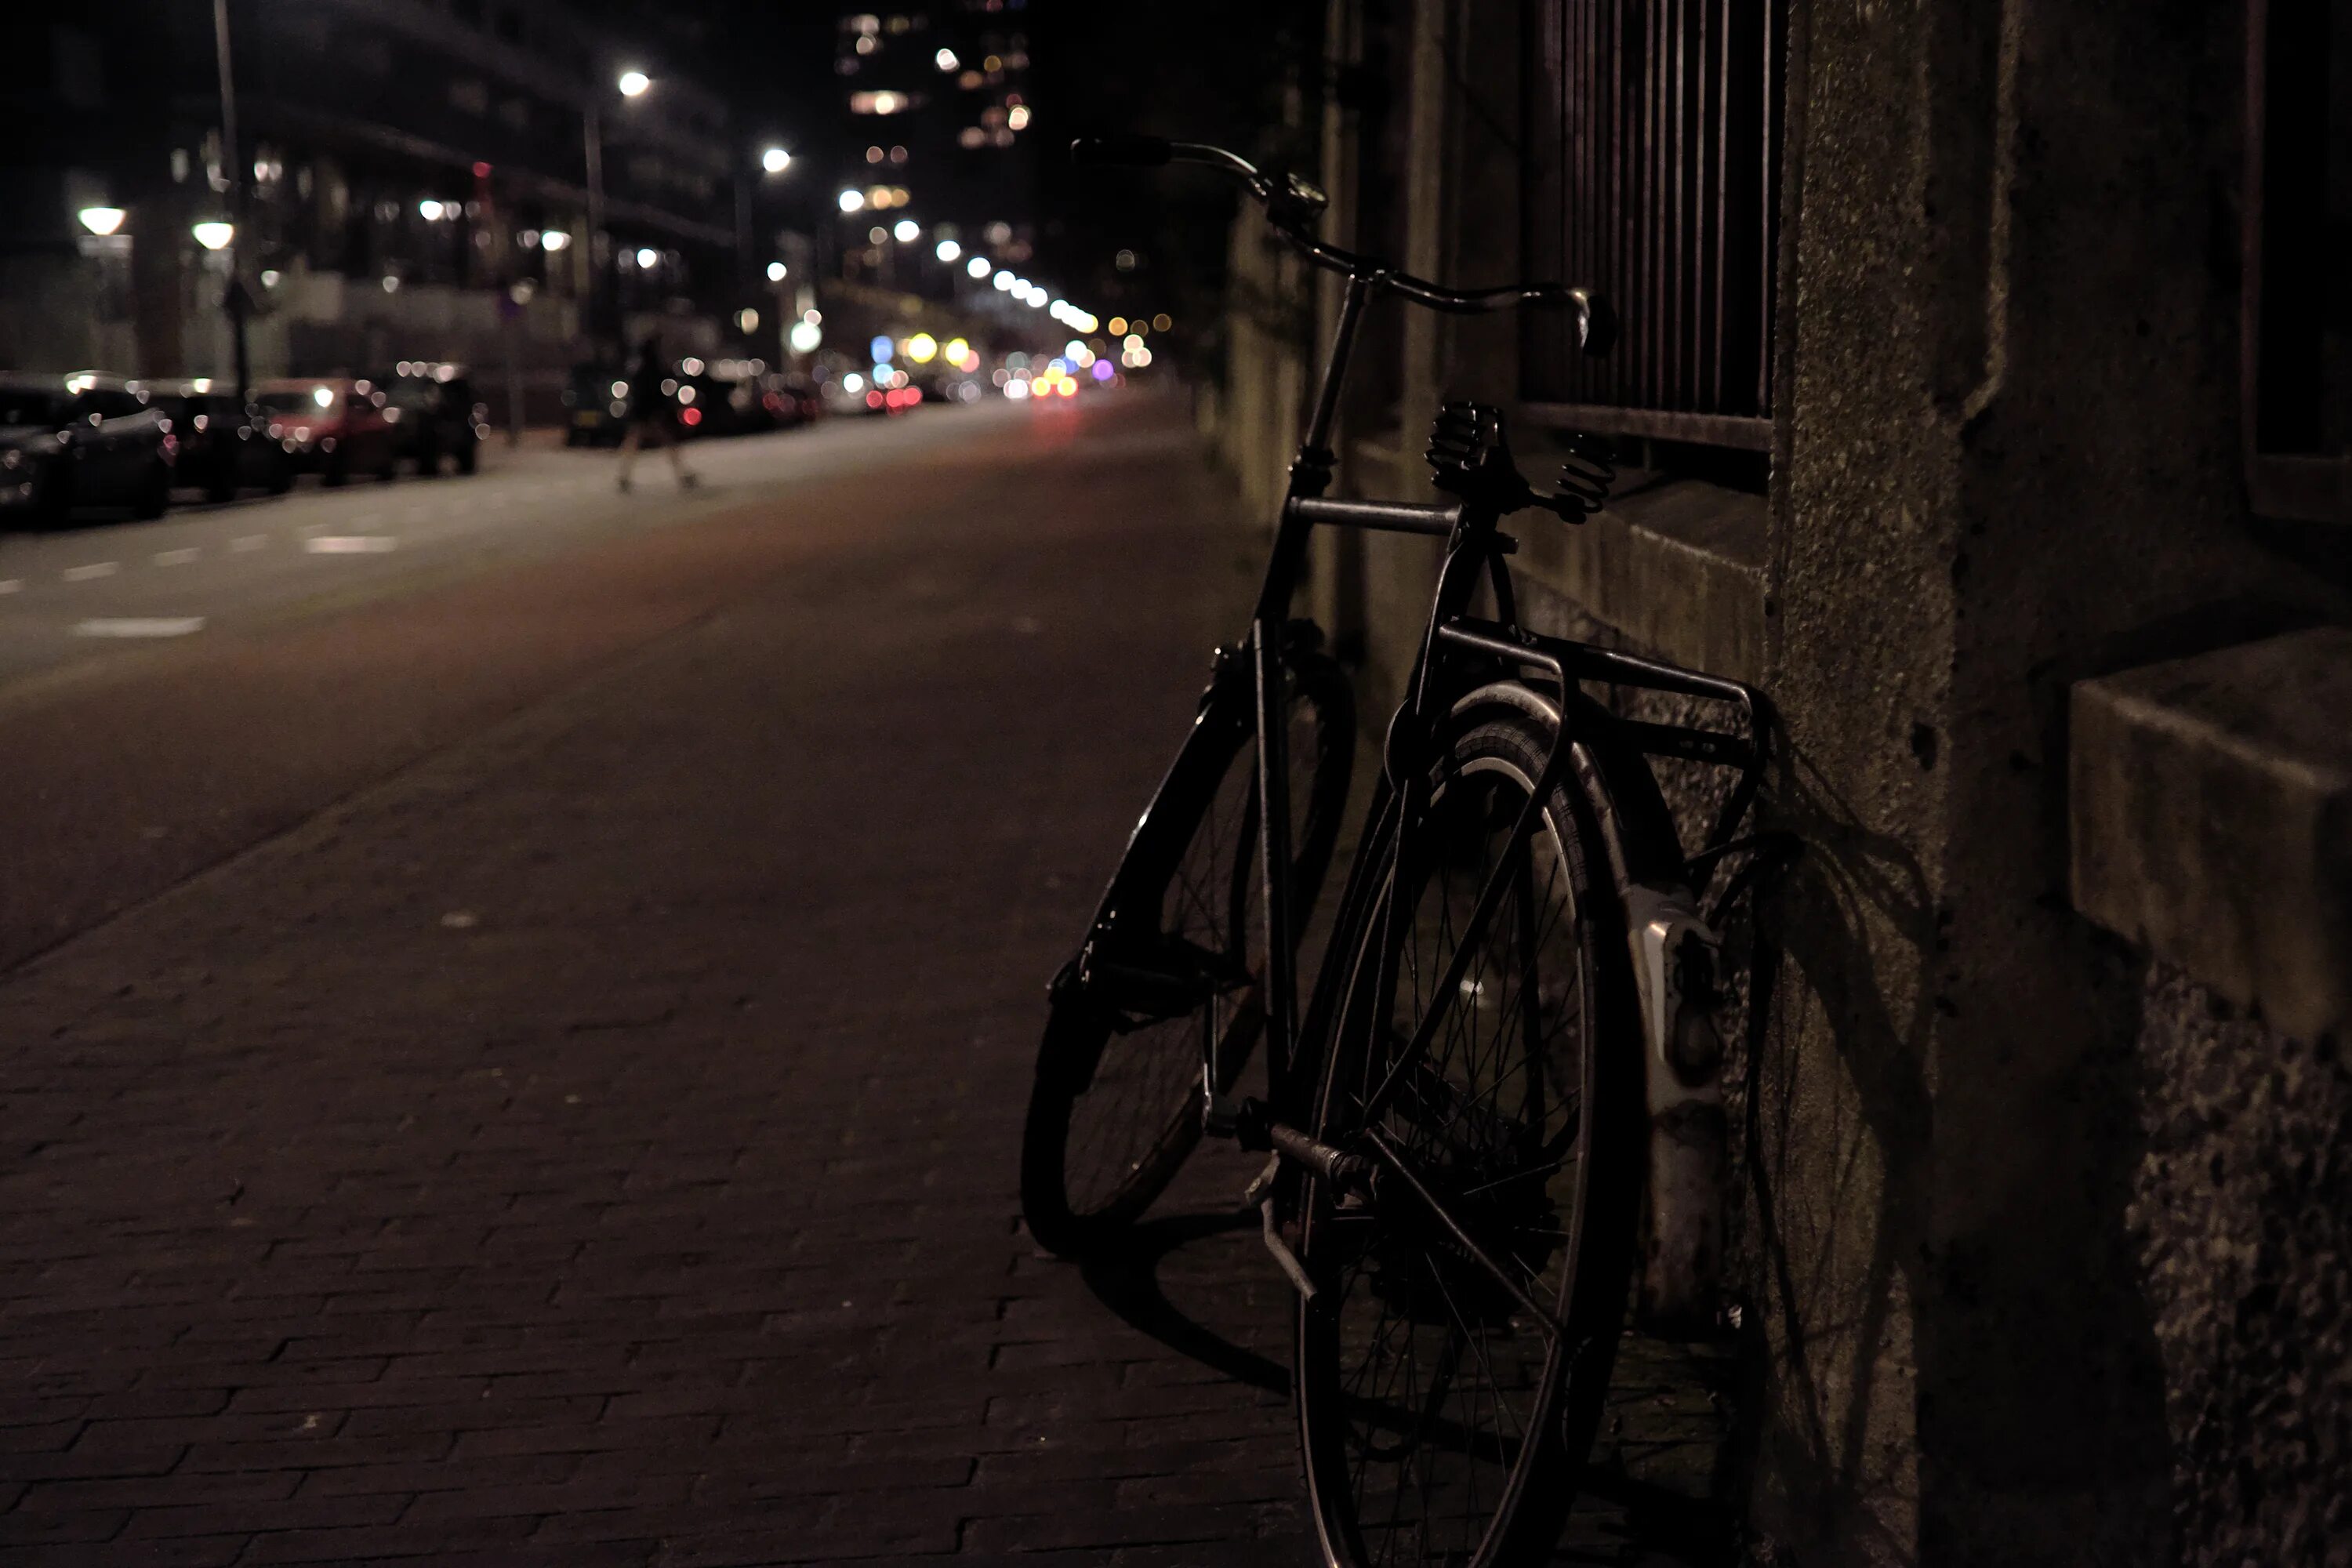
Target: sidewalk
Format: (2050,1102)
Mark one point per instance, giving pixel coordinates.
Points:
(596,1143)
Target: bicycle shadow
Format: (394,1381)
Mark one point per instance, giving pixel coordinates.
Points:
(1126,1279)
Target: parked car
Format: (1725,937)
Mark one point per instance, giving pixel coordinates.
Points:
(434,415)
(222,449)
(598,398)
(82,440)
(794,399)
(332,428)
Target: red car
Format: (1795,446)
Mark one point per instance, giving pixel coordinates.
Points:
(332,428)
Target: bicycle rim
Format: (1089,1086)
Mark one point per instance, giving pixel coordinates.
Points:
(1437,1412)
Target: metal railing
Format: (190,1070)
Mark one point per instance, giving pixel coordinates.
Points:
(1652,174)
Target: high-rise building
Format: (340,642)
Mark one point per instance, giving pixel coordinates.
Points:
(940,161)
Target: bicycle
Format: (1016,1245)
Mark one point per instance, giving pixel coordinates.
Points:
(1506,1080)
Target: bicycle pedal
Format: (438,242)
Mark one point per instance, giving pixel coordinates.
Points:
(1262,1186)
(1282,1253)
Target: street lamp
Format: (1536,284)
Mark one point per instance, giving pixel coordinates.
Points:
(949,250)
(775,161)
(213,234)
(908,231)
(100,221)
(776,270)
(633,83)
(978,267)
(234,165)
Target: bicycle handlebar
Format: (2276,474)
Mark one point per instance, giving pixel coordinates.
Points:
(1292,205)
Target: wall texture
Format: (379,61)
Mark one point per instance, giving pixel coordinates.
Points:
(2048,1246)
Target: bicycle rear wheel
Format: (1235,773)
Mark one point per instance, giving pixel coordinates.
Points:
(1115,1109)
(1452,1363)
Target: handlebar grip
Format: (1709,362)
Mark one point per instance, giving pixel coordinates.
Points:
(1120,152)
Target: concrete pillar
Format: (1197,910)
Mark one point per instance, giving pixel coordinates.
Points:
(2006,462)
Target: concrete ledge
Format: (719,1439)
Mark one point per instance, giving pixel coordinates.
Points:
(1677,567)
(2211,819)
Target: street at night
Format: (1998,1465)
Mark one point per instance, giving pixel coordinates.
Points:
(1283,783)
(538,1076)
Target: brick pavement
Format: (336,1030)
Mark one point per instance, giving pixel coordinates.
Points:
(595,1143)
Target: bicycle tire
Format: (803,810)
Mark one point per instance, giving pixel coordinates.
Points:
(1469,1459)
(1089,1057)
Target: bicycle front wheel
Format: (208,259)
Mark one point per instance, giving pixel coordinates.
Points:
(1115,1108)
(1452,1363)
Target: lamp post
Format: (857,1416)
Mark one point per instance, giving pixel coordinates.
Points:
(232,165)
(631,83)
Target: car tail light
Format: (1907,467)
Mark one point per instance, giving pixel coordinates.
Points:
(690,416)
(873,400)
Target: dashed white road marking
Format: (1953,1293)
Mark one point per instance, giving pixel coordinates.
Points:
(95,569)
(351,544)
(247,542)
(140,626)
(176,557)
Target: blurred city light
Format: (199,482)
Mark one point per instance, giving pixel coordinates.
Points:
(554,239)
(949,250)
(923,348)
(1102,370)
(213,234)
(946,59)
(748,319)
(908,231)
(429,210)
(1119,326)
(853,381)
(957,349)
(648,258)
(776,160)
(633,83)
(1003,281)
(879,350)
(776,271)
(1160,323)
(978,267)
(101,221)
(852,201)
(805,337)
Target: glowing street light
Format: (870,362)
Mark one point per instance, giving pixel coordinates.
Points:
(776,160)
(648,258)
(429,210)
(213,234)
(949,250)
(908,231)
(101,221)
(633,83)
(775,272)
(978,267)
(554,239)
(853,200)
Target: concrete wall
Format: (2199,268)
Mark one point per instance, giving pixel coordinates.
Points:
(2047,1244)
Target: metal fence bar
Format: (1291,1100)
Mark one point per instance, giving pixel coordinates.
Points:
(1653,175)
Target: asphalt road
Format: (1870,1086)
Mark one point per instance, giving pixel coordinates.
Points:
(67,594)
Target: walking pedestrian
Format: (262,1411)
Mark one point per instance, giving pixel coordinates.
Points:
(653,417)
